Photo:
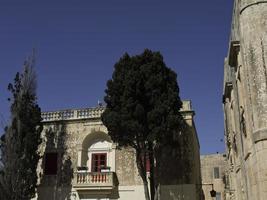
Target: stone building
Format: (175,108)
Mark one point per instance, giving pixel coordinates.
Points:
(213,169)
(245,101)
(80,161)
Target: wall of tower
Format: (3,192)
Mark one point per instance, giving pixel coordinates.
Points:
(245,101)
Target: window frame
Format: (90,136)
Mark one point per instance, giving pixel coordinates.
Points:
(98,161)
(215,173)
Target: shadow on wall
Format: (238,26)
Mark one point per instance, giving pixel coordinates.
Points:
(179,192)
(56,168)
(175,156)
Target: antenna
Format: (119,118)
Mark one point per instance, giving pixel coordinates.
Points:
(33,57)
(99,103)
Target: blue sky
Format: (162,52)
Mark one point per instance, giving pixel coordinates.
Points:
(78,43)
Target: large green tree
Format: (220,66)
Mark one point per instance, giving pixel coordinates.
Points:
(19,145)
(142,109)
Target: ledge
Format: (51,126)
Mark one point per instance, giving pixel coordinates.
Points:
(260,135)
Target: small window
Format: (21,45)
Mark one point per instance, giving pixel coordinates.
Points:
(50,164)
(218,196)
(216,172)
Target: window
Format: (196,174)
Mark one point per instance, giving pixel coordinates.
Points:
(99,161)
(218,196)
(216,172)
(50,164)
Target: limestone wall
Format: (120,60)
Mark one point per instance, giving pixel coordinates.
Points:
(74,135)
(208,165)
(245,101)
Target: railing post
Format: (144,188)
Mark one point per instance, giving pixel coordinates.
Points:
(75,115)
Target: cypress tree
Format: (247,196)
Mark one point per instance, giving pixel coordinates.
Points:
(19,145)
(142,109)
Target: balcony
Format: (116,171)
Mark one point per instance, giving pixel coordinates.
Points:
(89,181)
(73,114)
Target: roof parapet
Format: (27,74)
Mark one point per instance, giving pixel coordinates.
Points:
(89,113)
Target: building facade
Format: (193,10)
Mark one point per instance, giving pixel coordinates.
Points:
(213,173)
(80,162)
(245,101)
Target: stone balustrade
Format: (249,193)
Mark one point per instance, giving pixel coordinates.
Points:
(92,180)
(73,114)
(88,113)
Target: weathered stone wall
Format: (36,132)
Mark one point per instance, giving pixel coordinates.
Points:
(182,162)
(65,138)
(208,163)
(126,169)
(72,134)
(245,101)
(179,192)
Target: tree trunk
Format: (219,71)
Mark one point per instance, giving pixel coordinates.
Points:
(146,191)
(152,172)
(142,171)
(152,185)
(157,172)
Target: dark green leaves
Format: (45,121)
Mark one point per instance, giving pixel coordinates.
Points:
(142,100)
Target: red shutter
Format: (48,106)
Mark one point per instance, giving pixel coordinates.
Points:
(50,164)
(147,164)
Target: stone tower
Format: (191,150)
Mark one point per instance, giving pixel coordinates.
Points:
(245,101)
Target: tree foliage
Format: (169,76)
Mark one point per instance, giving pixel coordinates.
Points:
(142,108)
(19,145)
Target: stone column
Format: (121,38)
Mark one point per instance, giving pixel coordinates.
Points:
(79,160)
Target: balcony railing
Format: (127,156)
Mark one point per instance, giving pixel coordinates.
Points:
(87,113)
(73,114)
(95,180)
